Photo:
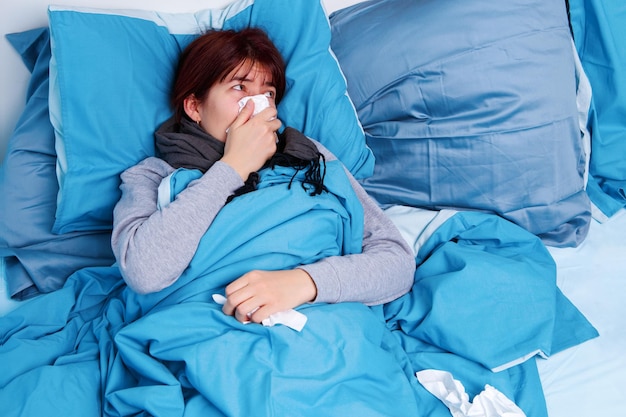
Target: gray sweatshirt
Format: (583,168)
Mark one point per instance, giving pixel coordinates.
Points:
(153,247)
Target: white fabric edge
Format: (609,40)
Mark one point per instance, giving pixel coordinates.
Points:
(584,94)
(519,360)
(164,192)
(583,103)
(54,111)
(417,225)
(176,23)
(7,304)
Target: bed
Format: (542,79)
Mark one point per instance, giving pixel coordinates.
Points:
(492,136)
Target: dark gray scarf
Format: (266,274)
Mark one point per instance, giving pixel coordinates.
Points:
(187,145)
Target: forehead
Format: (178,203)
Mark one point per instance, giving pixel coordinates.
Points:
(250,71)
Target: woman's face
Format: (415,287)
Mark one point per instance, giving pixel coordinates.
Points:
(220,107)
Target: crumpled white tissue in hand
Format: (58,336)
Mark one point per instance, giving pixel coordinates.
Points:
(290,318)
(489,403)
(260,101)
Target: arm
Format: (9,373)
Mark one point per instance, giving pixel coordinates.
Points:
(383,271)
(153,247)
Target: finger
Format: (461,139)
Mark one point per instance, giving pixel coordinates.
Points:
(233,301)
(269,114)
(236,285)
(275,124)
(242,318)
(247,317)
(260,314)
(228,309)
(243,116)
(237,293)
(245,311)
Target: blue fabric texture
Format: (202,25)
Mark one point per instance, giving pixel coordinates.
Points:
(472,266)
(600,38)
(38,261)
(470,107)
(105,350)
(111,75)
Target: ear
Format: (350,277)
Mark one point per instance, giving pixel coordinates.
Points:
(191,106)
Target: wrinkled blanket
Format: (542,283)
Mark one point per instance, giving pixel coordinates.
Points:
(484,300)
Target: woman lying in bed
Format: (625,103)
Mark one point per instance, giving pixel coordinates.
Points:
(162,345)
(227,141)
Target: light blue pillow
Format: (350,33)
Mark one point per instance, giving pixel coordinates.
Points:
(471,107)
(600,37)
(38,261)
(110,77)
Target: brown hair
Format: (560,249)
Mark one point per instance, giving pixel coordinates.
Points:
(212,56)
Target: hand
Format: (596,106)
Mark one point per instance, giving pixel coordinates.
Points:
(258,294)
(251,141)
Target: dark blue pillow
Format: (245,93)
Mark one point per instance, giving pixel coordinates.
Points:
(471,107)
(37,260)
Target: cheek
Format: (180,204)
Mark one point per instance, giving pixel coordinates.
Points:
(218,117)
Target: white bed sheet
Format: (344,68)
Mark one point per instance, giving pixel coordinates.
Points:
(589,380)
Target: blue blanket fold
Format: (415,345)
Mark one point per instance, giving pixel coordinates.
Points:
(485,301)
(484,295)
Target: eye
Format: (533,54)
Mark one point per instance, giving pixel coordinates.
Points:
(238,87)
(270,94)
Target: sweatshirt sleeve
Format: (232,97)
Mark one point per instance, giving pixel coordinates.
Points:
(383,271)
(153,247)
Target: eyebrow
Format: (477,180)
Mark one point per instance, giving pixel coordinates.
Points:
(248,79)
(241,78)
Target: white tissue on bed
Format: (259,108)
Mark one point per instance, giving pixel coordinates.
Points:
(260,101)
(290,318)
(489,403)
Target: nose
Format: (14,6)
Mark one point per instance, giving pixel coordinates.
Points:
(260,102)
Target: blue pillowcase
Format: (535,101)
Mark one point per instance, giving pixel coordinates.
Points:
(110,78)
(471,107)
(600,37)
(36,259)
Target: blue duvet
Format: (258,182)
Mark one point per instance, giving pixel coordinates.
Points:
(484,296)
